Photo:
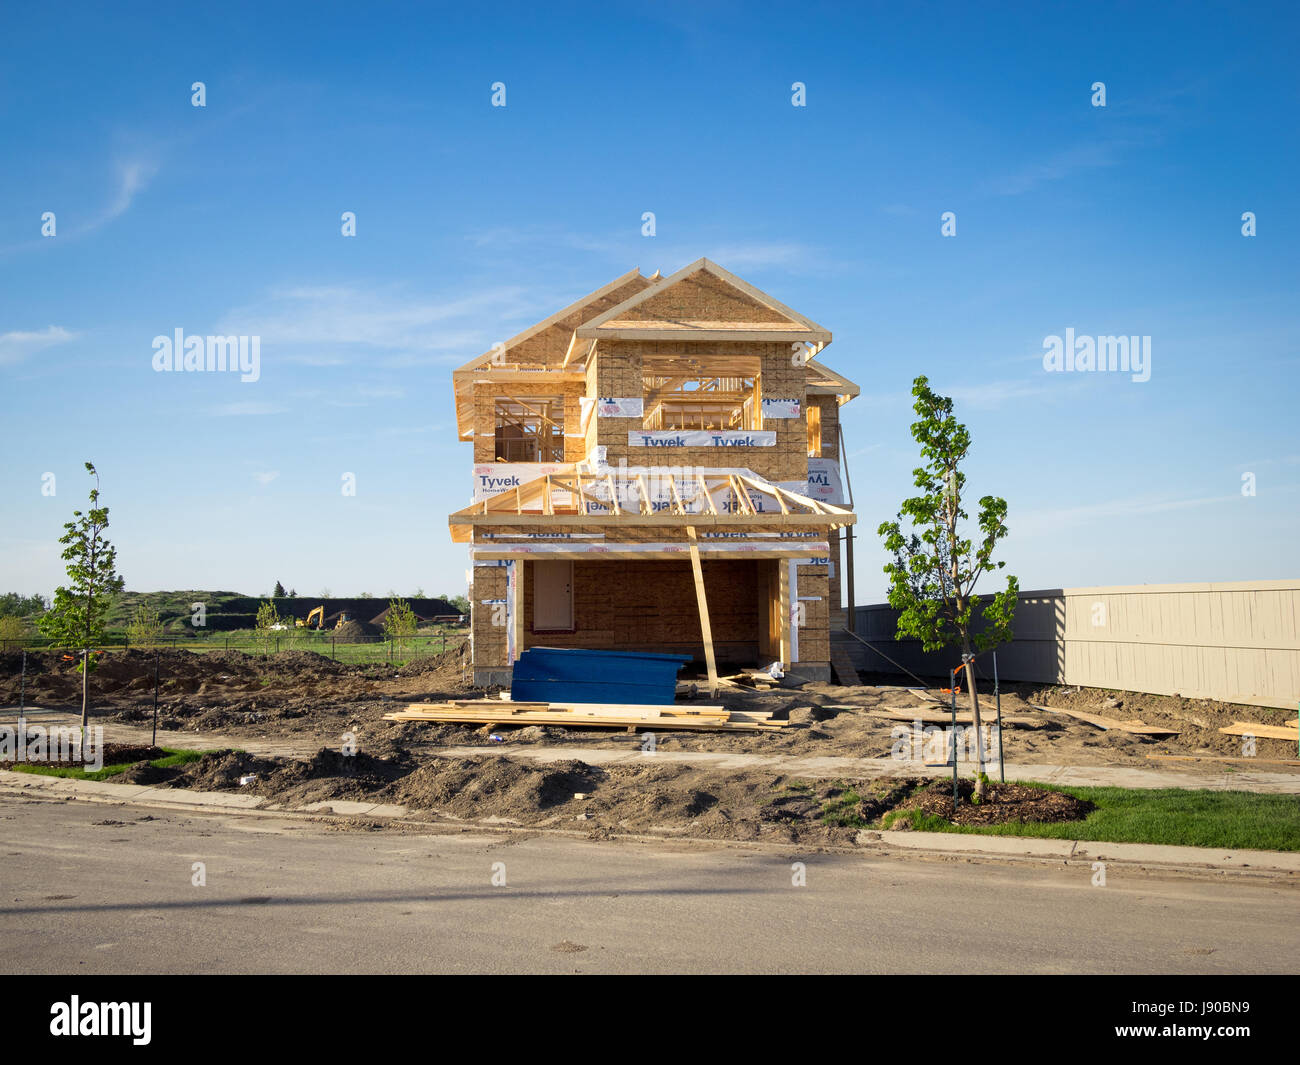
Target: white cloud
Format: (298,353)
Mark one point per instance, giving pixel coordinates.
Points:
(17,346)
(267,477)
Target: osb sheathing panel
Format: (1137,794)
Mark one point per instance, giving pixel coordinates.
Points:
(814,634)
(489,640)
(702,297)
(620,372)
(651,606)
(830,413)
(550,345)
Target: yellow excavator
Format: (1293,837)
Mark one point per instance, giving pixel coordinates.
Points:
(318,615)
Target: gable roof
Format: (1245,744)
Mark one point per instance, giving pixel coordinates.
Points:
(751,314)
(558,319)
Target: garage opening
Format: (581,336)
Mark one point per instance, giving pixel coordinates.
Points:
(632,605)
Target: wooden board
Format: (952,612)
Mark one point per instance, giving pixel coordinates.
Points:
(564,720)
(931,717)
(1222,758)
(588,715)
(709,660)
(1272,732)
(1135,727)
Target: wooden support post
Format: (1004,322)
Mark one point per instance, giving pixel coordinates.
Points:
(783,571)
(850,616)
(703,603)
(517,607)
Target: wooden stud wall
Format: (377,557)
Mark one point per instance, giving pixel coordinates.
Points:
(619,371)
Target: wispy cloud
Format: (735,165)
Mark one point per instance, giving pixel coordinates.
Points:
(339,322)
(17,346)
(1055,167)
(1065,518)
(994,394)
(266,477)
(247,408)
(630,249)
(133,176)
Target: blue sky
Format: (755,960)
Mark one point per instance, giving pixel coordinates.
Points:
(473,222)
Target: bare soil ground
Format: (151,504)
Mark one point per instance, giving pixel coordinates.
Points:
(315,701)
(309,697)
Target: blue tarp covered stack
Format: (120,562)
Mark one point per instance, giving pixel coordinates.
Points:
(565,675)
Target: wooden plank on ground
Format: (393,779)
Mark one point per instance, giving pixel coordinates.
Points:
(1271,732)
(932,717)
(1137,728)
(1221,758)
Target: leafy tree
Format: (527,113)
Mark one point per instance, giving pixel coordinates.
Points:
(457,602)
(935,568)
(366,595)
(279,592)
(267,619)
(76,617)
(293,593)
(11,629)
(13,605)
(145,625)
(400,620)
(418,593)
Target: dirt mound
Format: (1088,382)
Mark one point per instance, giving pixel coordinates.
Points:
(108,754)
(448,661)
(354,631)
(494,787)
(1002,804)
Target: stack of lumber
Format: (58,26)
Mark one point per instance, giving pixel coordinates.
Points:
(590,715)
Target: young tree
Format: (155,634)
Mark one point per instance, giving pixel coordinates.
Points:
(145,625)
(76,617)
(267,620)
(935,568)
(400,620)
(12,629)
(279,592)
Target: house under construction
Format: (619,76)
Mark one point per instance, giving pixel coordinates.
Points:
(656,468)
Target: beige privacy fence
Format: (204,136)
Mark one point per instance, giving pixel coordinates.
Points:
(1237,642)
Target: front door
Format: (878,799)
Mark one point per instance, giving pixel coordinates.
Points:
(552,596)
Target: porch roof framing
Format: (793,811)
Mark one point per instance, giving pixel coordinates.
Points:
(534,503)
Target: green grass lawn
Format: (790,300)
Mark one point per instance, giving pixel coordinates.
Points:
(171,759)
(1234,820)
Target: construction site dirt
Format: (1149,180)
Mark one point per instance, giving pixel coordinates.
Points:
(316,730)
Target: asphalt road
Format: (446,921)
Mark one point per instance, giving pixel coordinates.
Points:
(93,888)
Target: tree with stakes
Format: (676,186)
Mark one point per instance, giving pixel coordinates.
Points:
(935,568)
(76,617)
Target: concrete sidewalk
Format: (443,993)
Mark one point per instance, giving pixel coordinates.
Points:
(1014,848)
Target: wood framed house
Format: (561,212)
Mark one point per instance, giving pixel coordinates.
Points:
(656,468)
